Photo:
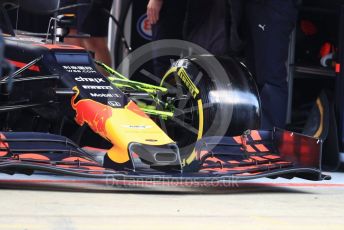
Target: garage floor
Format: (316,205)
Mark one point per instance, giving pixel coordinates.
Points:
(261,204)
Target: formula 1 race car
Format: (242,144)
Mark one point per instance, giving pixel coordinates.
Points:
(64,121)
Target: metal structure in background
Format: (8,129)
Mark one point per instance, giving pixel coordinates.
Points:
(340,85)
(331,7)
(290,76)
(121,9)
(131,14)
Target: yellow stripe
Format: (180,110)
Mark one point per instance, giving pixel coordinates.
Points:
(200,130)
(192,157)
(201,117)
(173,69)
(194,91)
(321,126)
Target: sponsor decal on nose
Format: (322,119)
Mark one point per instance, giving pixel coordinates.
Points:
(88,79)
(91,112)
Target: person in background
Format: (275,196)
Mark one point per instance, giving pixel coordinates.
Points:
(167,19)
(207,25)
(270,23)
(195,21)
(93,21)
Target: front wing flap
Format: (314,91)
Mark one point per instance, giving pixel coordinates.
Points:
(261,154)
(253,155)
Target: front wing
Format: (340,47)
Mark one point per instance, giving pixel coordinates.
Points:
(51,161)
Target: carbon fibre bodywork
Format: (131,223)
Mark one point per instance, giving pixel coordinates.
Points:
(78,93)
(60,91)
(221,160)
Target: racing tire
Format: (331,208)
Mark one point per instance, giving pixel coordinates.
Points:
(213,96)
